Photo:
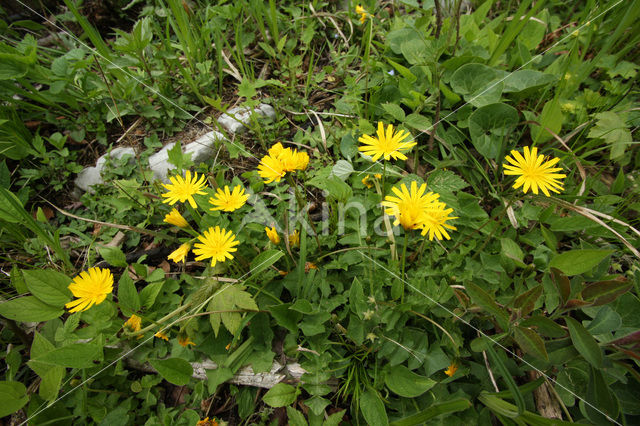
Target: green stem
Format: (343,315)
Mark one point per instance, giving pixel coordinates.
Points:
(195,214)
(404,258)
(161,320)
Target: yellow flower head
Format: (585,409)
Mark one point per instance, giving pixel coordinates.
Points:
(378,176)
(162,336)
(185,341)
(184,189)
(362,12)
(216,243)
(409,207)
(134,323)
(271,169)
(91,288)
(272,233)
(300,160)
(534,172)
(434,221)
(366,181)
(207,422)
(229,201)
(387,144)
(180,254)
(175,218)
(451,369)
(294,239)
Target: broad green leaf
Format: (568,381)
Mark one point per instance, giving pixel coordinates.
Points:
(544,326)
(51,287)
(603,292)
(562,284)
(286,317)
(606,321)
(448,407)
(335,419)
(295,417)
(217,376)
(372,408)
(445,181)
(612,128)
(173,370)
(488,126)
(29,309)
(317,404)
(303,306)
(602,399)
(521,80)
(472,78)
(584,342)
(114,256)
(342,169)
(485,301)
(394,110)
(418,122)
(527,300)
(13,396)
(127,294)
(149,294)
(577,262)
(75,355)
(512,250)
(405,382)
(551,118)
(229,298)
(51,382)
(530,342)
(280,395)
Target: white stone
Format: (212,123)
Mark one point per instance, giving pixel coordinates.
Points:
(159,163)
(90,176)
(242,116)
(203,148)
(117,153)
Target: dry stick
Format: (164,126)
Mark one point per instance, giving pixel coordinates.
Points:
(486,363)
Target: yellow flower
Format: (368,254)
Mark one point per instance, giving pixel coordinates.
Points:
(366,181)
(91,288)
(362,12)
(229,201)
(434,221)
(185,341)
(184,189)
(162,336)
(451,369)
(272,233)
(216,243)
(180,254)
(300,160)
(534,172)
(134,323)
(387,145)
(271,169)
(207,422)
(294,239)
(378,176)
(409,207)
(175,218)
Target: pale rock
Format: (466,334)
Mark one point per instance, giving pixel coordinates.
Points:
(90,176)
(203,148)
(243,116)
(159,163)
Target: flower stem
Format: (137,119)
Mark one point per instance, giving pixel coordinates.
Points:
(404,261)
(195,214)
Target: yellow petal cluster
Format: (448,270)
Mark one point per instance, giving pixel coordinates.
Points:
(272,233)
(227,200)
(294,239)
(161,335)
(91,288)
(134,323)
(362,12)
(180,254)
(280,160)
(534,172)
(216,243)
(183,189)
(451,369)
(388,144)
(175,218)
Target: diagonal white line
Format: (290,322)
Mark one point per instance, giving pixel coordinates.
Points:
(459,318)
(162,327)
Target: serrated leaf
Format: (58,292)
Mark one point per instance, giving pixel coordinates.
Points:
(394,110)
(295,417)
(418,122)
(114,256)
(406,383)
(51,287)
(445,181)
(280,395)
(173,370)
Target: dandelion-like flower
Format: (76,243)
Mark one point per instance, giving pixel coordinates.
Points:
(409,206)
(175,218)
(229,201)
(387,144)
(366,181)
(183,189)
(434,221)
(281,160)
(534,172)
(216,243)
(362,12)
(207,422)
(180,254)
(134,323)
(185,341)
(91,288)
(451,369)
(294,239)
(161,335)
(272,233)
(271,169)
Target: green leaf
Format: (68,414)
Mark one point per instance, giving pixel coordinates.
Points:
(173,370)
(530,342)
(613,129)
(51,287)
(418,122)
(584,342)
(551,118)
(127,294)
(13,396)
(603,292)
(286,317)
(484,300)
(342,169)
(544,325)
(405,382)
(372,408)
(488,126)
(521,80)
(449,407)
(317,404)
(229,298)
(29,309)
(601,398)
(394,110)
(562,284)
(51,383)
(295,417)
(445,181)
(527,300)
(217,376)
(114,256)
(335,419)
(576,262)
(75,355)
(511,250)
(264,260)
(280,395)
(149,294)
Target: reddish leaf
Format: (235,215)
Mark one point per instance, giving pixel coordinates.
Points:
(603,292)
(562,284)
